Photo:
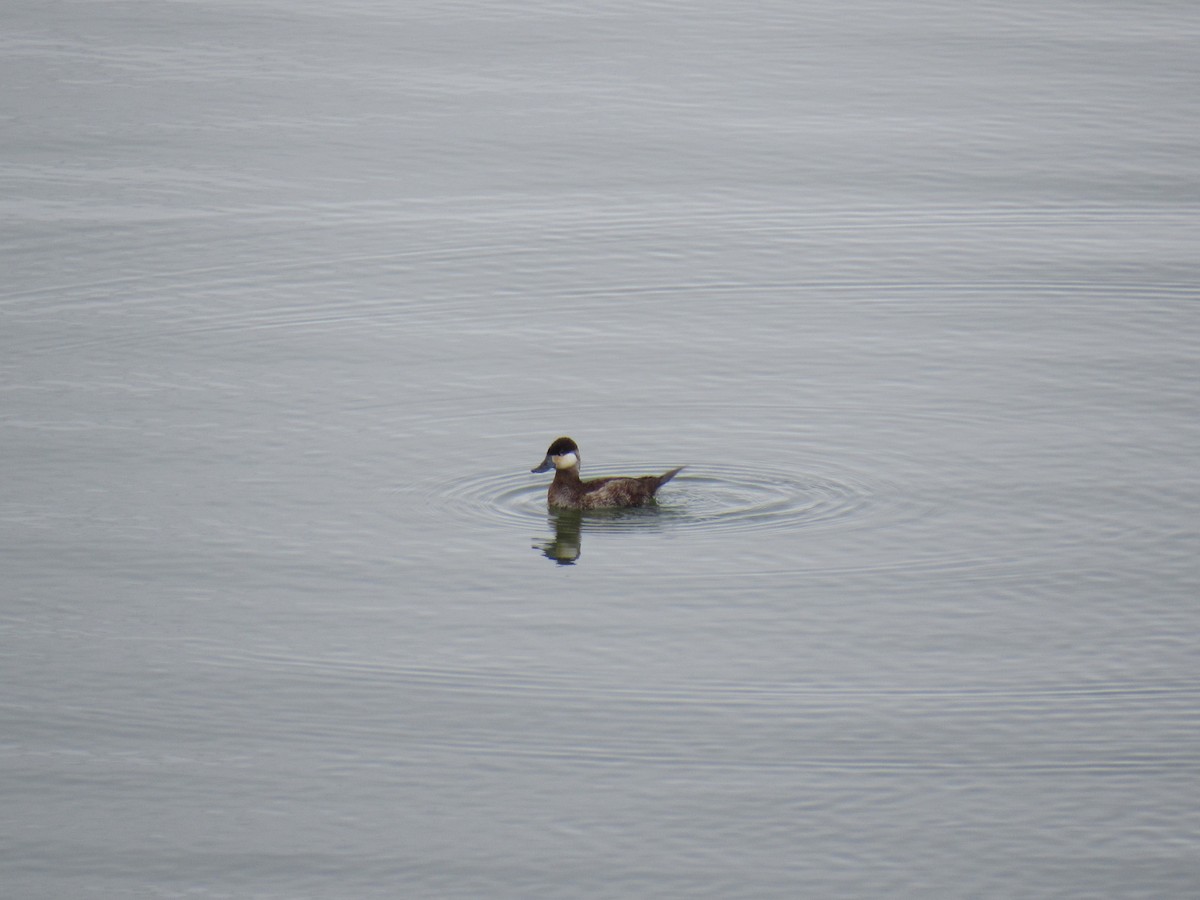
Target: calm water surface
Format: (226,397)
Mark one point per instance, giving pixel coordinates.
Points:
(296,294)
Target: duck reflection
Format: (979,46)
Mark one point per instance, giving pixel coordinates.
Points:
(567,544)
(570,524)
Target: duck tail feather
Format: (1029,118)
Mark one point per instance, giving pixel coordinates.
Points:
(663,479)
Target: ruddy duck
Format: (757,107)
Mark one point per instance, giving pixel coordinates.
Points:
(570,492)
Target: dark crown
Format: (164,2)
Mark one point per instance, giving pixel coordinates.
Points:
(563,445)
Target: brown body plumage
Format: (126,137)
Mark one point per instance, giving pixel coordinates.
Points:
(569,491)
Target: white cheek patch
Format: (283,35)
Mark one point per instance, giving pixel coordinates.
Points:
(566,461)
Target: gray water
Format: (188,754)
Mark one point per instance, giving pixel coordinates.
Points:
(296,293)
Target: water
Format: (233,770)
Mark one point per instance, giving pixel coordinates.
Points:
(295,296)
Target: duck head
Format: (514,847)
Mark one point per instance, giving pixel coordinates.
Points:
(563,454)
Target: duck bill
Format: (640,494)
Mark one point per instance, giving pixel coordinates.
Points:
(546,466)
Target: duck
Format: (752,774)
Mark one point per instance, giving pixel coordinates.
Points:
(569,491)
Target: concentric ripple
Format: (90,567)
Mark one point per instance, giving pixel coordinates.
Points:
(713,498)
